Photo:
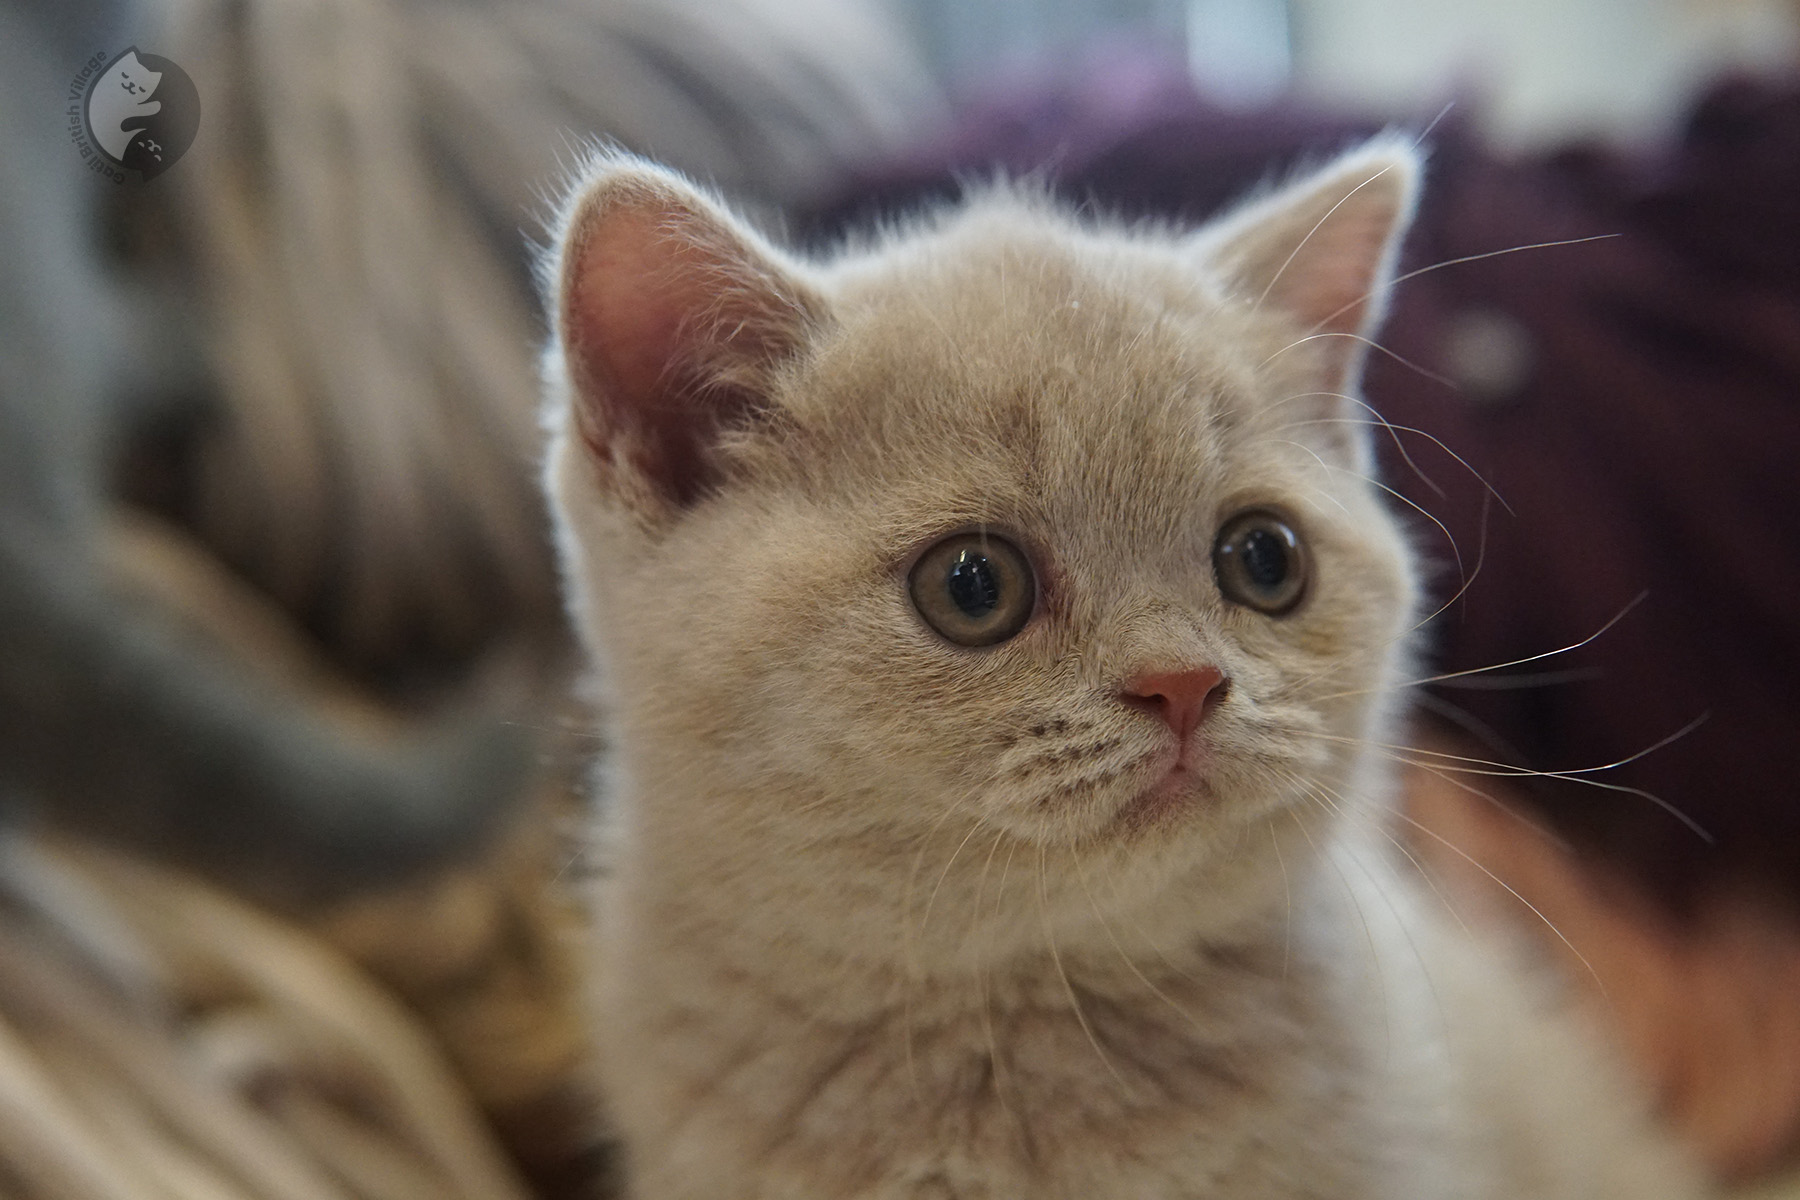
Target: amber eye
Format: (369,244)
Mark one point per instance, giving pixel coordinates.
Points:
(1260,562)
(975,589)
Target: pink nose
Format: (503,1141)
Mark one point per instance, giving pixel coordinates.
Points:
(1181,698)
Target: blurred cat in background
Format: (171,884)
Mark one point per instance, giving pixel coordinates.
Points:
(275,593)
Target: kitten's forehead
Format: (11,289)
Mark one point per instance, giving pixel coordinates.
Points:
(1014,363)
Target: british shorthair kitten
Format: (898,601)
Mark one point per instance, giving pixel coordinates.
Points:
(997,624)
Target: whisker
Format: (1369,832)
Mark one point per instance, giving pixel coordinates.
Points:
(1130,964)
(1372,344)
(1155,948)
(1287,897)
(1427,877)
(1349,811)
(1426,132)
(1453,262)
(1323,465)
(1489,738)
(1068,986)
(1379,823)
(1535,911)
(1508,769)
(985,1000)
(1301,244)
(1465,765)
(1506,683)
(1394,432)
(1468,581)
(1416,507)
(561,729)
(925,920)
(1510,811)
(1517,662)
(912,878)
(1350,893)
(568,865)
(910,942)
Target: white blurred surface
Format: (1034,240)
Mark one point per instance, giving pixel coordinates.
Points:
(1537,70)
(1542,69)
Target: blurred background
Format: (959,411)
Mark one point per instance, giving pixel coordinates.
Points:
(1542,70)
(292,743)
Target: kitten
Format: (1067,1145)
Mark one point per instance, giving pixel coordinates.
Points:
(999,624)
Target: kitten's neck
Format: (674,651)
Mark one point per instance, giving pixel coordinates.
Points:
(1166,1010)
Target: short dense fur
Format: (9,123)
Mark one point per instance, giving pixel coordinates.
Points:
(889,917)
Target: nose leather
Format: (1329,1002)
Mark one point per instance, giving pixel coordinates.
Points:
(1181,697)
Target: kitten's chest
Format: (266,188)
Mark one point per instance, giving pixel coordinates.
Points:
(1027,1086)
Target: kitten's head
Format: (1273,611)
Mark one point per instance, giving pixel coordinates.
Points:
(1007,526)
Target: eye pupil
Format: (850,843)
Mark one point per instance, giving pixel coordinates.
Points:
(1265,558)
(973,586)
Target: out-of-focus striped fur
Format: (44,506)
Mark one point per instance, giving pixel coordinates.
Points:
(276,592)
(276,596)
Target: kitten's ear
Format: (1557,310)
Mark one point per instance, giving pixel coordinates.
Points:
(1322,249)
(671,318)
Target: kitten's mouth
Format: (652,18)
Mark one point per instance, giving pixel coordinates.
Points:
(1178,788)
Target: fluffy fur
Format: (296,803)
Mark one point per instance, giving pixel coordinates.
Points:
(890,917)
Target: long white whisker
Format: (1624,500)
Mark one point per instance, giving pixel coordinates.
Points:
(1323,465)
(1517,662)
(1394,432)
(1301,244)
(1130,963)
(1380,825)
(1415,506)
(1452,262)
(925,920)
(1441,760)
(910,941)
(1535,911)
(1361,916)
(1287,898)
(1426,132)
(1348,811)
(1372,344)
(981,978)
(1068,986)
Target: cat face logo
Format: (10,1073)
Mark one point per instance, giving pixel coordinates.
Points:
(141,111)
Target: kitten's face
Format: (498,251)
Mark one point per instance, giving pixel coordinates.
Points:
(1029,530)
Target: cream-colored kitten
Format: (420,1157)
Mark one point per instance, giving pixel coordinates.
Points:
(996,621)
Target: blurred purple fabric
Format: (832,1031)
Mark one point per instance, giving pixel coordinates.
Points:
(1635,400)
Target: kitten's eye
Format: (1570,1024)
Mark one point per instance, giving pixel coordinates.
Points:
(975,589)
(1260,562)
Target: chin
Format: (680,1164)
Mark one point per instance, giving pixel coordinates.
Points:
(1166,803)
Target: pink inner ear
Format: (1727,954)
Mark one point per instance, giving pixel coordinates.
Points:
(648,332)
(1331,282)
(626,304)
